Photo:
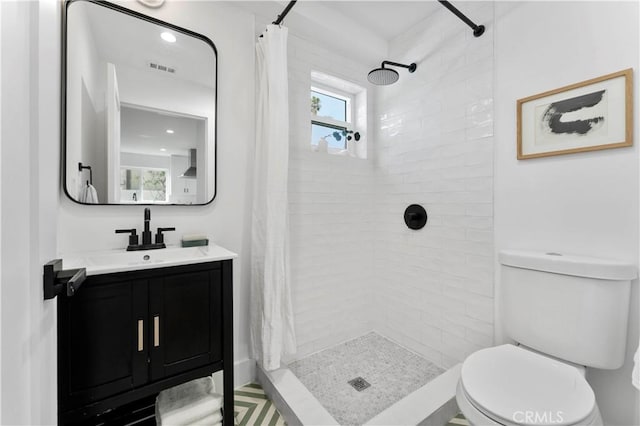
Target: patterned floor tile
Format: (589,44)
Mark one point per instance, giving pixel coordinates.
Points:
(458,420)
(253,407)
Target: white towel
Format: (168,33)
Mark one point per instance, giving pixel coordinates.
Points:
(89,195)
(214,419)
(188,403)
(82,194)
(635,374)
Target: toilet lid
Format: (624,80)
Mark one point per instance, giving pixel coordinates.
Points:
(514,385)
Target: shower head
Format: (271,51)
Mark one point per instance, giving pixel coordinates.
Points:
(384,76)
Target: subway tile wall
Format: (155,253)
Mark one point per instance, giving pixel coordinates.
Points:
(330,203)
(355,266)
(434,146)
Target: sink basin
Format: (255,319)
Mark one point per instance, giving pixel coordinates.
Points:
(111,261)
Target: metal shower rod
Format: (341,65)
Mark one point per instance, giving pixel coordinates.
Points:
(284,12)
(478,30)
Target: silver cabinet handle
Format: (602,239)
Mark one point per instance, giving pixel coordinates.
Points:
(140,335)
(156,331)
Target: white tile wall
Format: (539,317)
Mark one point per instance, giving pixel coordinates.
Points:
(331,219)
(434,146)
(355,265)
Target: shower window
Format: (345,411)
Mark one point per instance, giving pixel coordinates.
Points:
(330,117)
(320,130)
(329,105)
(338,113)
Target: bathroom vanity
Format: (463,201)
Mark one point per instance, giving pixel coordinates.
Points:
(133,323)
(143,322)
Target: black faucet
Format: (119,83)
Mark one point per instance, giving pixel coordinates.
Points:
(146,235)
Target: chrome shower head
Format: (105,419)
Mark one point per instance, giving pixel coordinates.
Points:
(384,76)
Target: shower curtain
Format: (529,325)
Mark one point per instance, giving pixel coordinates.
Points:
(272,332)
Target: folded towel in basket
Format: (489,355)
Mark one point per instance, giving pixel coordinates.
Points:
(189,403)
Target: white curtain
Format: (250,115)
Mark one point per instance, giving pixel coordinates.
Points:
(272,331)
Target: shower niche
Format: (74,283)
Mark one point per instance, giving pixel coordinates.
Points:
(139,108)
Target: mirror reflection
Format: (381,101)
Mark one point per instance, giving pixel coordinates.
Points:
(140,109)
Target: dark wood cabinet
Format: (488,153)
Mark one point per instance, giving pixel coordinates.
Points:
(186,315)
(126,336)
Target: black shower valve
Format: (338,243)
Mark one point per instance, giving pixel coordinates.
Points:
(415,217)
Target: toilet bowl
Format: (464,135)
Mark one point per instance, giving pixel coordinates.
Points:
(571,312)
(510,385)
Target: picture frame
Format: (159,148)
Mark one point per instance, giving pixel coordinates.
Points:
(587,116)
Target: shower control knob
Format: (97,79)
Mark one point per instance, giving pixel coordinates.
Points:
(415,217)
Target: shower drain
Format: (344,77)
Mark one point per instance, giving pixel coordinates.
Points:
(359,384)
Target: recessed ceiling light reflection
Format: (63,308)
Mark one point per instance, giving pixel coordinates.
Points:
(170,131)
(163,149)
(168,37)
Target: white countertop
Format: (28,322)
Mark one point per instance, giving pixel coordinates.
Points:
(120,260)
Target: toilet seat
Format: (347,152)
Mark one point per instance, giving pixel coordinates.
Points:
(514,386)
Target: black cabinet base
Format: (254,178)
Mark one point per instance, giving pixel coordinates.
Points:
(125,337)
(139,413)
(100,412)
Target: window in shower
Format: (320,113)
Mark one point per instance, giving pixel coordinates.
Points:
(331,117)
(334,121)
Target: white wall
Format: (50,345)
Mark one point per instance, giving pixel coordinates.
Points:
(132,159)
(434,147)
(581,203)
(1,214)
(330,204)
(30,190)
(15,229)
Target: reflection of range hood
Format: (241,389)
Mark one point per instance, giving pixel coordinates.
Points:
(191,171)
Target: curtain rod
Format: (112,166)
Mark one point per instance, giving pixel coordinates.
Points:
(284,12)
(478,30)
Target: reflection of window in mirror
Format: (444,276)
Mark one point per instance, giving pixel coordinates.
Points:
(140,185)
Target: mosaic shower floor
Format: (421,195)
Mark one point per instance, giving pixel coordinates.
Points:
(391,371)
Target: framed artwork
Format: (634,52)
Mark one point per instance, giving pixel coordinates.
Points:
(586,116)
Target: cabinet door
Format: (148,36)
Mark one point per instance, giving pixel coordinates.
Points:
(190,186)
(101,340)
(185,322)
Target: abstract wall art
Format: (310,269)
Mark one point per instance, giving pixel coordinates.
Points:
(587,116)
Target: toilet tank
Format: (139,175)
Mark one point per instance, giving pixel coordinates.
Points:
(571,307)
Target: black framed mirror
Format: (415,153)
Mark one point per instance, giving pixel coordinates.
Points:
(138,108)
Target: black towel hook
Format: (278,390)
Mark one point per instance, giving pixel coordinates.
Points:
(81,167)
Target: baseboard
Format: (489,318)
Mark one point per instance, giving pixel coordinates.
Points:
(244,371)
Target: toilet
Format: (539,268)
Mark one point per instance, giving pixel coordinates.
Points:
(564,313)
